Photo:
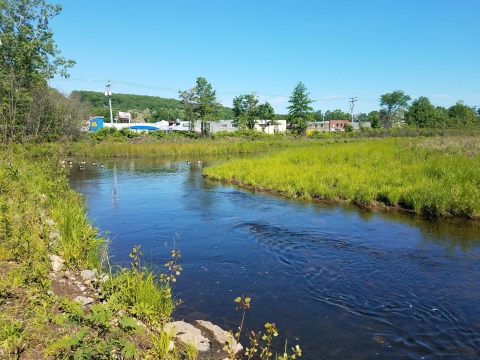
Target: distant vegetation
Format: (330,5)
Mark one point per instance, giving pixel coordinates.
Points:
(158,108)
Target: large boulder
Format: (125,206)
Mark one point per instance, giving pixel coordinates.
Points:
(187,333)
(218,338)
(208,338)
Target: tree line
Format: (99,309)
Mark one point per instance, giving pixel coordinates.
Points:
(32,111)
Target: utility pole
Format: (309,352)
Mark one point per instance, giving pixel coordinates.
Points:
(108,93)
(352,105)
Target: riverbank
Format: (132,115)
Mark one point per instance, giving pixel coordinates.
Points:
(58,293)
(60,296)
(433,177)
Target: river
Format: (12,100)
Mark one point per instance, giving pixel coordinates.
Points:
(341,282)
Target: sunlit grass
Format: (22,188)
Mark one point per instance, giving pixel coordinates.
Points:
(199,147)
(412,174)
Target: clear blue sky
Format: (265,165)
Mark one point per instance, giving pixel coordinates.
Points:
(337,48)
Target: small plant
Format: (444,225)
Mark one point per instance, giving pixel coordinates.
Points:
(100,334)
(257,349)
(172,265)
(189,351)
(12,337)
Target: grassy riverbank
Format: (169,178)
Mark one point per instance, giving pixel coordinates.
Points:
(147,147)
(42,217)
(434,177)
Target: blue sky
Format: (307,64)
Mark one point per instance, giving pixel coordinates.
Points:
(337,48)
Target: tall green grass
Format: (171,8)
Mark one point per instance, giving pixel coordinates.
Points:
(197,147)
(413,174)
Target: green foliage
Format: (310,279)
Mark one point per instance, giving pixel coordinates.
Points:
(425,177)
(299,111)
(142,293)
(28,49)
(12,337)
(189,105)
(260,344)
(207,105)
(393,101)
(266,112)
(460,114)
(336,115)
(423,114)
(348,128)
(393,104)
(245,111)
(100,334)
(160,108)
(30,110)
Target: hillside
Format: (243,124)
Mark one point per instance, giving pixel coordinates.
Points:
(160,108)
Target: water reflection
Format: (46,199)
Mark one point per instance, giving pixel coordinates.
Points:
(347,283)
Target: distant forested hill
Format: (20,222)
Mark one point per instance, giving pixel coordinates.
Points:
(160,108)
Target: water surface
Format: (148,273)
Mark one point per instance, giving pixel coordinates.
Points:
(340,282)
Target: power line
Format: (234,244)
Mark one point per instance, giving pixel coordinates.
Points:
(161,88)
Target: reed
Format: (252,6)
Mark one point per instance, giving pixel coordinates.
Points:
(434,177)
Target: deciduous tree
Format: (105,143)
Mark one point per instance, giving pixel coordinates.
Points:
(422,114)
(245,111)
(391,104)
(190,106)
(28,57)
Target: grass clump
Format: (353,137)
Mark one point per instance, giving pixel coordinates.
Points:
(414,174)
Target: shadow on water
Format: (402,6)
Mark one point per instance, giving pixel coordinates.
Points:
(347,283)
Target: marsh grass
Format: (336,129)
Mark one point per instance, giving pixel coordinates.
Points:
(417,175)
(192,147)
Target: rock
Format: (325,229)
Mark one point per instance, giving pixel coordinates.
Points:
(57,262)
(83,300)
(82,288)
(218,337)
(104,277)
(54,235)
(188,333)
(88,275)
(171,346)
(50,222)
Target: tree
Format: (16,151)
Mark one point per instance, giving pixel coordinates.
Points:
(29,57)
(361,117)
(391,104)
(422,114)
(318,115)
(189,105)
(460,114)
(336,115)
(266,112)
(374,118)
(27,47)
(208,107)
(299,110)
(245,111)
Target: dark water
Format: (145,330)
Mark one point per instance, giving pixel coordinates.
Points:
(340,282)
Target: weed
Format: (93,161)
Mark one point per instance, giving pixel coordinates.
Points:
(260,344)
(100,334)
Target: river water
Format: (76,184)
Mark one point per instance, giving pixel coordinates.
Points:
(341,282)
